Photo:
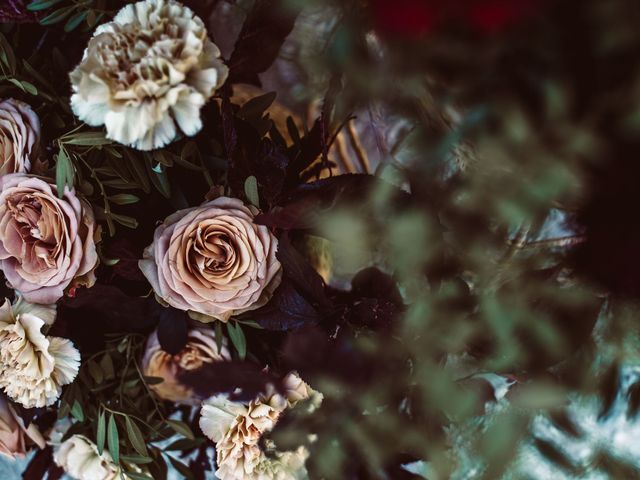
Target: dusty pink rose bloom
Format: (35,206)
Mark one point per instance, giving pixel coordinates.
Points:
(13,434)
(46,242)
(19,136)
(213,261)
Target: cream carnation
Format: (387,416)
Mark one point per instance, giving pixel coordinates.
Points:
(237,428)
(149,69)
(79,458)
(46,242)
(33,367)
(201,348)
(19,136)
(213,261)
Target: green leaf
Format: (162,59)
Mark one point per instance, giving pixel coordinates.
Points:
(158,176)
(137,167)
(251,190)
(35,74)
(153,380)
(41,4)
(124,198)
(124,220)
(189,151)
(76,411)
(24,86)
(181,428)
(75,20)
(28,87)
(113,440)
(135,437)
(87,139)
(57,16)
(118,184)
(237,338)
(136,459)
(181,468)
(7,57)
(95,371)
(64,172)
(100,435)
(107,364)
(163,158)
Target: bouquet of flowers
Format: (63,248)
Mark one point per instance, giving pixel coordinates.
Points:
(277,239)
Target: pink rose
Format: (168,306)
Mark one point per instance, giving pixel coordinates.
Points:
(13,434)
(46,242)
(213,261)
(19,136)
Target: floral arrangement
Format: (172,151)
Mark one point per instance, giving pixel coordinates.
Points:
(269,239)
(150,80)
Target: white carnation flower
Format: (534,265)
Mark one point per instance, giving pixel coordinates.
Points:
(79,458)
(149,69)
(33,367)
(236,429)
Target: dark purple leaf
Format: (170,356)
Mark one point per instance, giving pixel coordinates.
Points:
(373,313)
(173,330)
(228,123)
(242,380)
(287,310)
(316,142)
(313,352)
(265,29)
(259,157)
(102,309)
(299,271)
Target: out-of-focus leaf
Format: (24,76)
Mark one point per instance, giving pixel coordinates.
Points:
(243,380)
(264,30)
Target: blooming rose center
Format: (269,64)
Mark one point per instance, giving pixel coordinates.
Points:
(36,222)
(211,250)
